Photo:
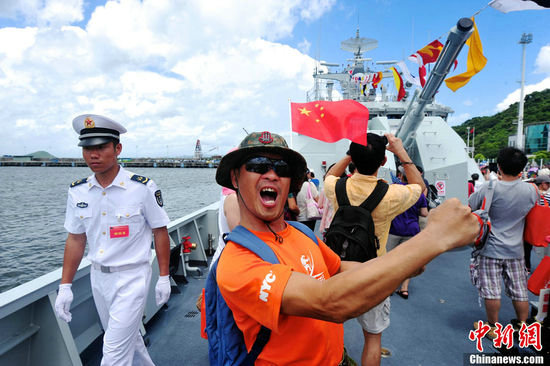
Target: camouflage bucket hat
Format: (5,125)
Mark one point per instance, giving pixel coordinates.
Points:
(257,143)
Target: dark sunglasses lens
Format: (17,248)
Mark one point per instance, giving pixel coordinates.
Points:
(262,165)
(258,165)
(282,169)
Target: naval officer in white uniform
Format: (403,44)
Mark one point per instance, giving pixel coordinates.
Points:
(117,213)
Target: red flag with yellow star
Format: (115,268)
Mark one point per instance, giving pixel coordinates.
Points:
(331,121)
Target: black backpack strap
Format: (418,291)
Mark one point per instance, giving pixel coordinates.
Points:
(376,196)
(341,194)
(261,340)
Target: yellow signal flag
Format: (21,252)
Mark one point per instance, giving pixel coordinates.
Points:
(476,62)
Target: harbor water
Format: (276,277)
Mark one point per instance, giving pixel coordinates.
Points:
(32,212)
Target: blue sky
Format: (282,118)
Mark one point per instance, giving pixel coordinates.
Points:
(176,71)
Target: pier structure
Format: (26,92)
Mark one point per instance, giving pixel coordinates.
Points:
(129,163)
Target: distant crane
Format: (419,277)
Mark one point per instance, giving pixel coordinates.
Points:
(198,150)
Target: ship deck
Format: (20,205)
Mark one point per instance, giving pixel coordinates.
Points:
(431,327)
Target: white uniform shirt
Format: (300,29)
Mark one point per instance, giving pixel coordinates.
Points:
(117,220)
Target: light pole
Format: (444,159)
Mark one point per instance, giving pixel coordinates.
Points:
(526,38)
(468,139)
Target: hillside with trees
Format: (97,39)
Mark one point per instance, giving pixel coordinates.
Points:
(491,133)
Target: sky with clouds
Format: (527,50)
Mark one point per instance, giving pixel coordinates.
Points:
(174,71)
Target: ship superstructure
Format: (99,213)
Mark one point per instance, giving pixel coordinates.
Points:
(417,119)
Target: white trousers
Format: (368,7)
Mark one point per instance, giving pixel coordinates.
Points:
(120,301)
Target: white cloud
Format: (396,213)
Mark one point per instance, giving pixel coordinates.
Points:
(315,8)
(43,12)
(468,102)
(514,96)
(543,60)
(542,64)
(170,71)
(304,46)
(61,12)
(250,63)
(14,8)
(26,123)
(458,119)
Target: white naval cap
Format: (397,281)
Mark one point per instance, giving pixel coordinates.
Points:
(96,130)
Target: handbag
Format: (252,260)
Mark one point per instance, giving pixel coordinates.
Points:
(540,278)
(537,224)
(484,220)
(313,212)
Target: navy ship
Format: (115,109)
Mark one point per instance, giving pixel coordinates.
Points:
(430,328)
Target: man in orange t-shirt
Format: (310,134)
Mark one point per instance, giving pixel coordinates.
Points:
(307,296)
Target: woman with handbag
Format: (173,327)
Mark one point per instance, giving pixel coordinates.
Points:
(307,203)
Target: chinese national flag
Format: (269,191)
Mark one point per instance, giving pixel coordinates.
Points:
(331,121)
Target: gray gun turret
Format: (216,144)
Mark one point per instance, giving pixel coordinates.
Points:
(415,113)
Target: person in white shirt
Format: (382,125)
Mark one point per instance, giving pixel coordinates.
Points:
(118,213)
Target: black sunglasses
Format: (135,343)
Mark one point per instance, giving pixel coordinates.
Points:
(261,165)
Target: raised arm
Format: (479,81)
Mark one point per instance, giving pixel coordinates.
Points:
(358,288)
(340,167)
(395,145)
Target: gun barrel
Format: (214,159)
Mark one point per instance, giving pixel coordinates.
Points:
(415,113)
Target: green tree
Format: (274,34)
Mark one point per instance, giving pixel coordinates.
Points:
(479,157)
(544,155)
(491,132)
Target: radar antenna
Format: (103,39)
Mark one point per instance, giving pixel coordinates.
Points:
(358,45)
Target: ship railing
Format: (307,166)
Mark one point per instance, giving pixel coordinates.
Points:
(32,334)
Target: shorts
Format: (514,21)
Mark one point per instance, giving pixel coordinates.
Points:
(491,273)
(395,240)
(377,319)
(422,222)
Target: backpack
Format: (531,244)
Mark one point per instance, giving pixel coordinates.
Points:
(351,232)
(225,340)
(432,197)
(482,215)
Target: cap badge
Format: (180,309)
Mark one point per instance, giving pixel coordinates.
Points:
(265,138)
(89,123)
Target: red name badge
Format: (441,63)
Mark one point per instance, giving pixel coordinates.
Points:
(119,231)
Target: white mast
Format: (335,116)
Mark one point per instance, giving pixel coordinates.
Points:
(526,38)
(473,141)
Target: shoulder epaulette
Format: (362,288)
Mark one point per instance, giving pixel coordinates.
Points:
(140,178)
(78,182)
